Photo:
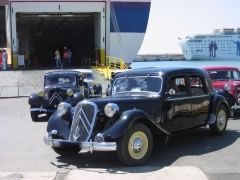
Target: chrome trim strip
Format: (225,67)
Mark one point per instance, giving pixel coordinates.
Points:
(177,98)
(199,96)
(86,118)
(55,96)
(80,117)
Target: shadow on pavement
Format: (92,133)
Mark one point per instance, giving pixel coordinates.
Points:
(195,142)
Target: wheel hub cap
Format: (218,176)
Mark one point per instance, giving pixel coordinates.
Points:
(221,121)
(137,145)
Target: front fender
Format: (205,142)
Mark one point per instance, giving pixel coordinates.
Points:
(56,122)
(126,120)
(78,96)
(36,101)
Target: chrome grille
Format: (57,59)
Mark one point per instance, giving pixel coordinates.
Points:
(55,97)
(83,121)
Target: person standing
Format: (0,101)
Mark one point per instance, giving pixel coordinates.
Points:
(58,58)
(210,49)
(1,59)
(238,47)
(65,57)
(69,57)
(4,59)
(215,48)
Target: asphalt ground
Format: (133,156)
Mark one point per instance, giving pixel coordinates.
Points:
(22,149)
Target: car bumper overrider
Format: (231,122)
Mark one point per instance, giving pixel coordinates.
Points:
(235,109)
(82,146)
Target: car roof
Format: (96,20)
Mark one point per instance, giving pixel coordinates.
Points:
(83,70)
(162,71)
(214,68)
(63,72)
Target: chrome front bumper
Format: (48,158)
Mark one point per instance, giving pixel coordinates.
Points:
(83,146)
(235,109)
(41,110)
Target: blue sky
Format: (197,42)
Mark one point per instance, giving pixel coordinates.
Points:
(170,19)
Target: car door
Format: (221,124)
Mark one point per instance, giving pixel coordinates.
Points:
(200,99)
(177,105)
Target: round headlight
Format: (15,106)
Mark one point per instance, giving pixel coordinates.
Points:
(111,109)
(41,93)
(238,88)
(227,87)
(69,92)
(63,108)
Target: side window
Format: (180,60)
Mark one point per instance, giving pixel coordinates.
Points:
(177,86)
(197,85)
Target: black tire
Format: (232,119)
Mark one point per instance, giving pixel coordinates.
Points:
(219,126)
(86,93)
(134,157)
(66,152)
(34,116)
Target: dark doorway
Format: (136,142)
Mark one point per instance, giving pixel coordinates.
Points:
(3,39)
(40,34)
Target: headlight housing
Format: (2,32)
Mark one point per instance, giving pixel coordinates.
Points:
(111,109)
(227,87)
(238,100)
(69,92)
(238,88)
(63,108)
(41,93)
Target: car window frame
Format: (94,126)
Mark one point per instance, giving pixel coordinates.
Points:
(177,96)
(157,76)
(206,90)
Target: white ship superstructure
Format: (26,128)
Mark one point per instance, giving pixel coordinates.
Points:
(220,45)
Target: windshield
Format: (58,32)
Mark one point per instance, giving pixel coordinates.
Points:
(137,84)
(224,75)
(63,80)
(88,75)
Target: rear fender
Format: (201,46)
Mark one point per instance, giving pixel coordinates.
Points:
(216,102)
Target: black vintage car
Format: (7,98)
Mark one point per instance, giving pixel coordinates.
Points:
(59,86)
(94,88)
(144,103)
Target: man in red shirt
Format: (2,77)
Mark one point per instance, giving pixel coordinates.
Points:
(65,57)
(0,59)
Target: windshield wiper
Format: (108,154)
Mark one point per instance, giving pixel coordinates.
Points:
(143,80)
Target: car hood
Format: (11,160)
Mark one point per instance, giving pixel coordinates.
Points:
(147,104)
(220,84)
(47,88)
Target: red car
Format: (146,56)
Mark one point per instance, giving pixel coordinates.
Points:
(226,78)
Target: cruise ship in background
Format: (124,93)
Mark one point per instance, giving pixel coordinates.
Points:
(222,44)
